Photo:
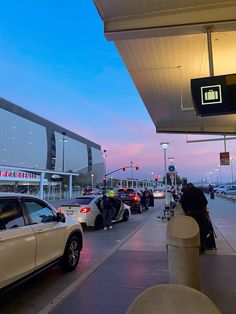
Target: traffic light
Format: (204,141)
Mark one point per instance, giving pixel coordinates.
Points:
(156,178)
(137,167)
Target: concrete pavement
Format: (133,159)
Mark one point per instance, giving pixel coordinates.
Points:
(141,262)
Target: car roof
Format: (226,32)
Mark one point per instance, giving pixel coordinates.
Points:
(11,194)
(92,196)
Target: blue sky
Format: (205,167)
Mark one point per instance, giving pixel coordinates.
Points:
(56,62)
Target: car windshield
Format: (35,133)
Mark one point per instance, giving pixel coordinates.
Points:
(81,201)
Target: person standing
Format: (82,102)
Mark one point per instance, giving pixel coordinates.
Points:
(194,204)
(211,191)
(151,199)
(112,193)
(146,198)
(107,212)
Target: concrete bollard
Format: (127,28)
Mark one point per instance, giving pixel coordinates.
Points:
(170,298)
(183,243)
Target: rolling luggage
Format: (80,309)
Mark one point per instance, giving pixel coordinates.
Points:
(210,234)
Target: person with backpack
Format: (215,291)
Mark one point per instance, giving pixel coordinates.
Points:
(194,204)
(146,198)
(107,212)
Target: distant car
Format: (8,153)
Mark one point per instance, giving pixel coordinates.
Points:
(159,192)
(131,198)
(91,191)
(218,188)
(228,190)
(87,209)
(33,237)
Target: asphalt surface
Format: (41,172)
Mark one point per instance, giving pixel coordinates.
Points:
(34,295)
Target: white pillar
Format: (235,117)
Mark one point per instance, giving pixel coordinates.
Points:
(70,186)
(41,185)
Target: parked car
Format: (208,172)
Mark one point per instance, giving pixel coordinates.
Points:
(87,209)
(228,189)
(33,237)
(218,188)
(131,198)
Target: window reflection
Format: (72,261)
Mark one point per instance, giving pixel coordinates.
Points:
(39,212)
(10,215)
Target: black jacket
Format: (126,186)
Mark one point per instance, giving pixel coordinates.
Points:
(193,201)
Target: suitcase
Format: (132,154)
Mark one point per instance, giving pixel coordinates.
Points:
(210,234)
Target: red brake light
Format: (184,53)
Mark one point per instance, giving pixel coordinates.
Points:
(135,198)
(59,209)
(84,210)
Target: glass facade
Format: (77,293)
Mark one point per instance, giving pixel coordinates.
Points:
(23,143)
(29,141)
(75,154)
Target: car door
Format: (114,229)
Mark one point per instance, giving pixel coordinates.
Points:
(50,234)
(116,205)
(17,243)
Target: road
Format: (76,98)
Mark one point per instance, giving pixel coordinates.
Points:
(34,295)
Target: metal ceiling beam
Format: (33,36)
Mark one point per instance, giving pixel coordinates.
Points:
(170,23)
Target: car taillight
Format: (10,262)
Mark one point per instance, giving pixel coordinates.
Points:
(59,209)
(135,198)
(84,210)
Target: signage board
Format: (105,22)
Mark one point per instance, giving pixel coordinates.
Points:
(224,159)
(214,95)
(171,168)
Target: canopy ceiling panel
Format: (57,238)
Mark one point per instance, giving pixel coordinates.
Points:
(164,45)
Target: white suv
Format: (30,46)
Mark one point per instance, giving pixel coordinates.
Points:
(33,236)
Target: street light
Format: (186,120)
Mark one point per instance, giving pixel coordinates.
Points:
(217,179)
(92,175)
(165,145)
(220,173)
(105,169)
(232,171)
(63,140)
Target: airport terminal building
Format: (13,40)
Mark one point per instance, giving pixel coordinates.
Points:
(30,141)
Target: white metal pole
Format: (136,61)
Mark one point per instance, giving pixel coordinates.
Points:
(70,186)
(165,177)
(41,185)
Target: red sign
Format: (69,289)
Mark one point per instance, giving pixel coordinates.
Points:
(224,159)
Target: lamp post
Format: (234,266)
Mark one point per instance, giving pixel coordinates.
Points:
(111,182)
(151,179)
(92,176)
(105,169)
(164,145)
(217,179)
(131,169)
(63,140)
(220,173)
(232,171)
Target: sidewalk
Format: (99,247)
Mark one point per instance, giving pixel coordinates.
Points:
(141,262)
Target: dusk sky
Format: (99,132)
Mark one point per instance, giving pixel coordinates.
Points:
(56,62)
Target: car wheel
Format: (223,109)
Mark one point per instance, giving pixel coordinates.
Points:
(140,210)
(126,215)
(71,255)
(98,222)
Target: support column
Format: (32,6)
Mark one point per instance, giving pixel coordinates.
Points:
(70,186)
(41,185)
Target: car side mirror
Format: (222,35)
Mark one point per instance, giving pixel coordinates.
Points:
(61,217)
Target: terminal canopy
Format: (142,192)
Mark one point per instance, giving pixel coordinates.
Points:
(164,45)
